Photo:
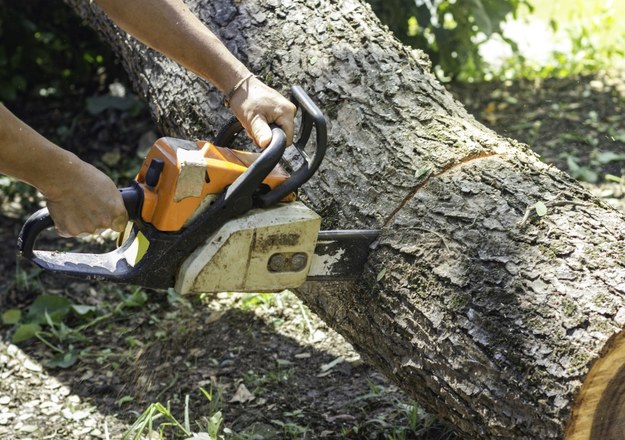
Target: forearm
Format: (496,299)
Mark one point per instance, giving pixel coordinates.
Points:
(28,156)
(80,198)
(169,27)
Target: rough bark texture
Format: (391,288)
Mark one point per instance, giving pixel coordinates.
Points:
(490,320)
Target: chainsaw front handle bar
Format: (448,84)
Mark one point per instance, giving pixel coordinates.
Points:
(167,250)
(312,117)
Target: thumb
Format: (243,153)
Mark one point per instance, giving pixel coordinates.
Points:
(119,223)
(261,132)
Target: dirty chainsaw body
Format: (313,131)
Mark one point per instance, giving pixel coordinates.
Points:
(207,218)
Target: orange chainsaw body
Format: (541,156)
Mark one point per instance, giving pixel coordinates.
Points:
(165,208)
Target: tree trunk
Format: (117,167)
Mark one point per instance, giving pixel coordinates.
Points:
(503,322)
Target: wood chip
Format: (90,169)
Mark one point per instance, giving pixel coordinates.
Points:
(32,366)
(242,395)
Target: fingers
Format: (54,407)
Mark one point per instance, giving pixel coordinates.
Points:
(285,121)
(257,105)
(76,228)
(119,224)
(75,218)
(261,132)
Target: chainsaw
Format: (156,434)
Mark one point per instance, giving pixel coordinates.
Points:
(205,217)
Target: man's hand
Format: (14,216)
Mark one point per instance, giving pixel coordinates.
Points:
(194,46)
(81,199)
(85,201)
(256,106)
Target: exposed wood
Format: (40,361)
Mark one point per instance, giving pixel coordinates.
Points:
(598,413)
(496,319)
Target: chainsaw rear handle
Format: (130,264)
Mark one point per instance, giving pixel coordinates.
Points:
(311,117)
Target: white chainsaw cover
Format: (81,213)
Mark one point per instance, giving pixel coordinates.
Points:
(237,257)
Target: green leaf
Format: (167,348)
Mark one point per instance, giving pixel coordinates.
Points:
(63,360)
(82,310)
(278,422)
(25,332)
(283,362)
(214,424)
(571,162)
(613,178)
(585,174)
(609,156)
(422,171)
(111,158)
(334,363)
(11,316)
(136,299)
(482,19)
(124,400)
(619,136)
(541,209)
(381,274)
(207,394)
(56,306)
(174,297)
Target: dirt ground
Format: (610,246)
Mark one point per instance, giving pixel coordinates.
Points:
(268,367)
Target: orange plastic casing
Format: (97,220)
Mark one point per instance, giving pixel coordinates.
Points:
(223,166)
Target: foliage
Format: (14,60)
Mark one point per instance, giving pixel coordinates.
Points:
(450,31)
(158,416)
(59,323)
(46,51)
(592,40)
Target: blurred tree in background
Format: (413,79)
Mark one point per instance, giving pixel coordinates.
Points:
(450,31)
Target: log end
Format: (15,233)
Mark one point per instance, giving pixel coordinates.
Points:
(599,410)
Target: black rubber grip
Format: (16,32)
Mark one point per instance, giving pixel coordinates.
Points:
(41,220)
(35,224)
(312,117)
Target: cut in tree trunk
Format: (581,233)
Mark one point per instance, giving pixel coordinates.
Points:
(499,318)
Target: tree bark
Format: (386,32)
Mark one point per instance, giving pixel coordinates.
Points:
(502,322)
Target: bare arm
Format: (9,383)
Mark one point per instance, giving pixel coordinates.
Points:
(194,46)
(83,199)
(80,197)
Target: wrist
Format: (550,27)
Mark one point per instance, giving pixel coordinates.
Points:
(61,175)
(238,87)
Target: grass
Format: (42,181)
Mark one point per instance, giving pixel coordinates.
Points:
(389,415)
(158,422)
(69,332)
(158,419)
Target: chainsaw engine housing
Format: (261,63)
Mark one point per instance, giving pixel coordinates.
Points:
(266,250)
